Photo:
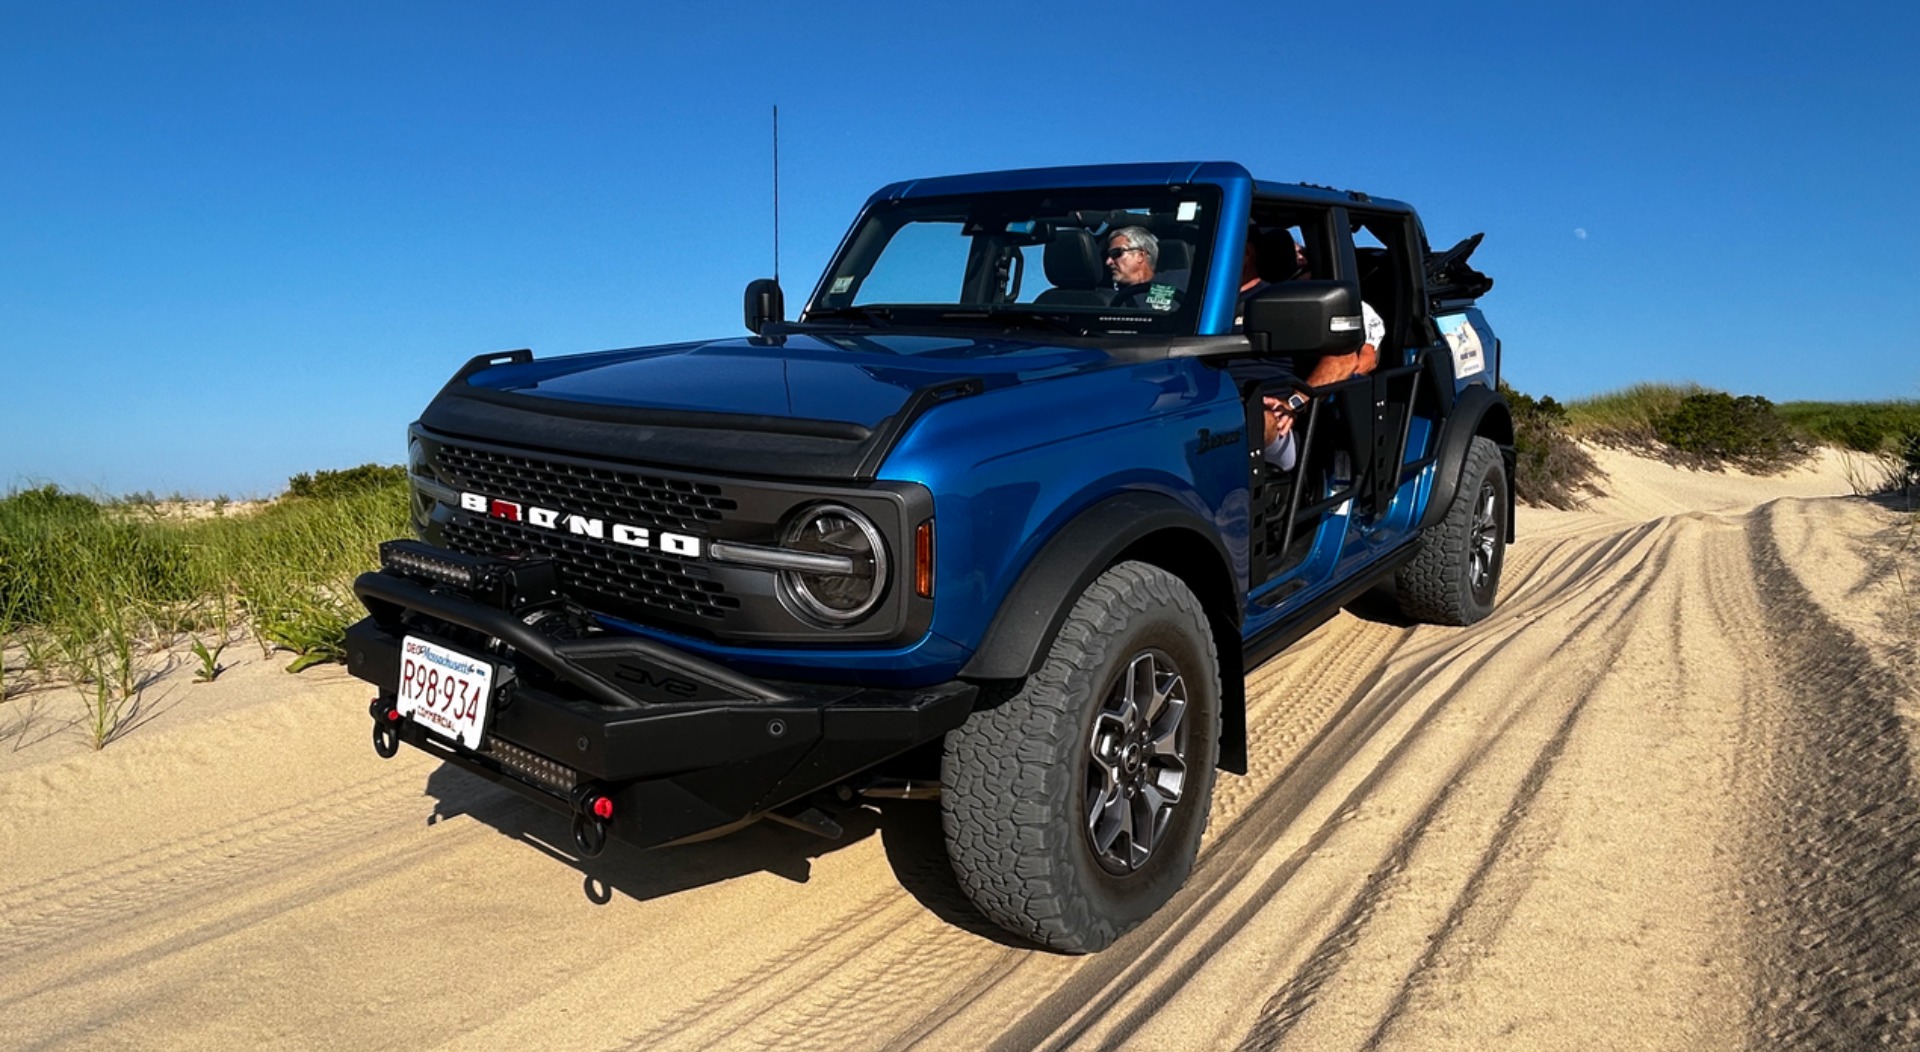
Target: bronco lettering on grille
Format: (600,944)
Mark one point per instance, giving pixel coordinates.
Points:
(642,537)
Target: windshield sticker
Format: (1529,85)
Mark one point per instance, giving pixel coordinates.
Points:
(841,285)
(1159,297)
(1188,209)
(1464,341)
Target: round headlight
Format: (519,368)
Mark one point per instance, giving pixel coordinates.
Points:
(832,597)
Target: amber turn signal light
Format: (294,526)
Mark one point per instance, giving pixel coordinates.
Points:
(923,560)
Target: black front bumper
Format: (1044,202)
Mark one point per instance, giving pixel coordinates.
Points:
(679,745)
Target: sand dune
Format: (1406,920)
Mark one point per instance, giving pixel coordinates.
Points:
(1663,798)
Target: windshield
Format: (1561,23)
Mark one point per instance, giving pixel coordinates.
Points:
(1086,260)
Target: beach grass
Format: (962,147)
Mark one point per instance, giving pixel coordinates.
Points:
(96,592)
(1628,416)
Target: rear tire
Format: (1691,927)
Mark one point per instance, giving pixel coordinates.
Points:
(1455,579)
(1073,810)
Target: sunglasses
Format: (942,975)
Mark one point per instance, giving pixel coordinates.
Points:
(1116,253)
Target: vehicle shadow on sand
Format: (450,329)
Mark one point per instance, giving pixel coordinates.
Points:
(917,850)
(637,873)
(1379,606)
(909,835)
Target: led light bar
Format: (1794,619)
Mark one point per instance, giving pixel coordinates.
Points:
(417,560)
(533,765)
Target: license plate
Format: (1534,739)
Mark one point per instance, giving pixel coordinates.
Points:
(444,690)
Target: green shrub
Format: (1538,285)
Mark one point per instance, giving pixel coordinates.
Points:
(1903,476)
(348,481)
(1864,427)
(1858,435)
(1549,467)
(1714,427)
(1625,418)
(48,502)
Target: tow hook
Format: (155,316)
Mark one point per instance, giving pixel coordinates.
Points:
(592,811)
(386,727)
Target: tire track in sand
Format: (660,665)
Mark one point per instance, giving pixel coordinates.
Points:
(1629,621)
(1480,895)
(725,1012)
(1838,923)
(144,882)
(1590,855)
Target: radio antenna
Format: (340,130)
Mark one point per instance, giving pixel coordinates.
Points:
(776,193)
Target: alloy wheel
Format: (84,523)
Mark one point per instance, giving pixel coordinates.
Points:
(1137,763)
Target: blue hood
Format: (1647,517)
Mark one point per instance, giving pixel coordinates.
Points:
(859,379)
(824,406)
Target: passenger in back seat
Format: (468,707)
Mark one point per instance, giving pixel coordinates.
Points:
(1276,253)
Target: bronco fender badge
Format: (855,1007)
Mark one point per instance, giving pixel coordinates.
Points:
(642,537)
(1210,441)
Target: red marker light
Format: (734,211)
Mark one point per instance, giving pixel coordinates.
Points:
(393,715)
(602,808)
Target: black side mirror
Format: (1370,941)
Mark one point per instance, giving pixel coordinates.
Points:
(766,305)
(1306,317)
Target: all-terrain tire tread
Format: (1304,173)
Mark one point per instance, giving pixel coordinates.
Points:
(1433,586)
(1005,786)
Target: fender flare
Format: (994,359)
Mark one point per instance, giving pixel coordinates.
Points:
(1030,616)
(1478,411)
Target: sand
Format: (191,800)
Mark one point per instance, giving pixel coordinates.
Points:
(1663,798)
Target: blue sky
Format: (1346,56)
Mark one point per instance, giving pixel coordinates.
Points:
(243,240)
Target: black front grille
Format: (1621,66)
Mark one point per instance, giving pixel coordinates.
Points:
(606,492)
(610,578)
(615,579)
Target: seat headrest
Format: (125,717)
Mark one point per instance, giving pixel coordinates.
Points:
(1073,261)
(1174,255)
(1273,254)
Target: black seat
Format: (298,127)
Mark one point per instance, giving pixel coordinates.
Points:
(1075,269)
(1372,264)
(1273,255)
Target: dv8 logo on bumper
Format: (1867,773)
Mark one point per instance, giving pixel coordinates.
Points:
(621,533)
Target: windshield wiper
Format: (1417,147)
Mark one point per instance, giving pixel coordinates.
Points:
(878,316)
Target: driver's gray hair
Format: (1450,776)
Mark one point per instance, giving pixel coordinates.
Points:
(1141,238)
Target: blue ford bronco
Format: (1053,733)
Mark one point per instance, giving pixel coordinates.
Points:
(977,524)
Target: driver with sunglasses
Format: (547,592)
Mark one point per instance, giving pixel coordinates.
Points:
(1132,254)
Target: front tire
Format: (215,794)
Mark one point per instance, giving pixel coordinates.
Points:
(1455,579)
(1073,810)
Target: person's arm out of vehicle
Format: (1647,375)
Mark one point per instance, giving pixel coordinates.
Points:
(1332,369)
